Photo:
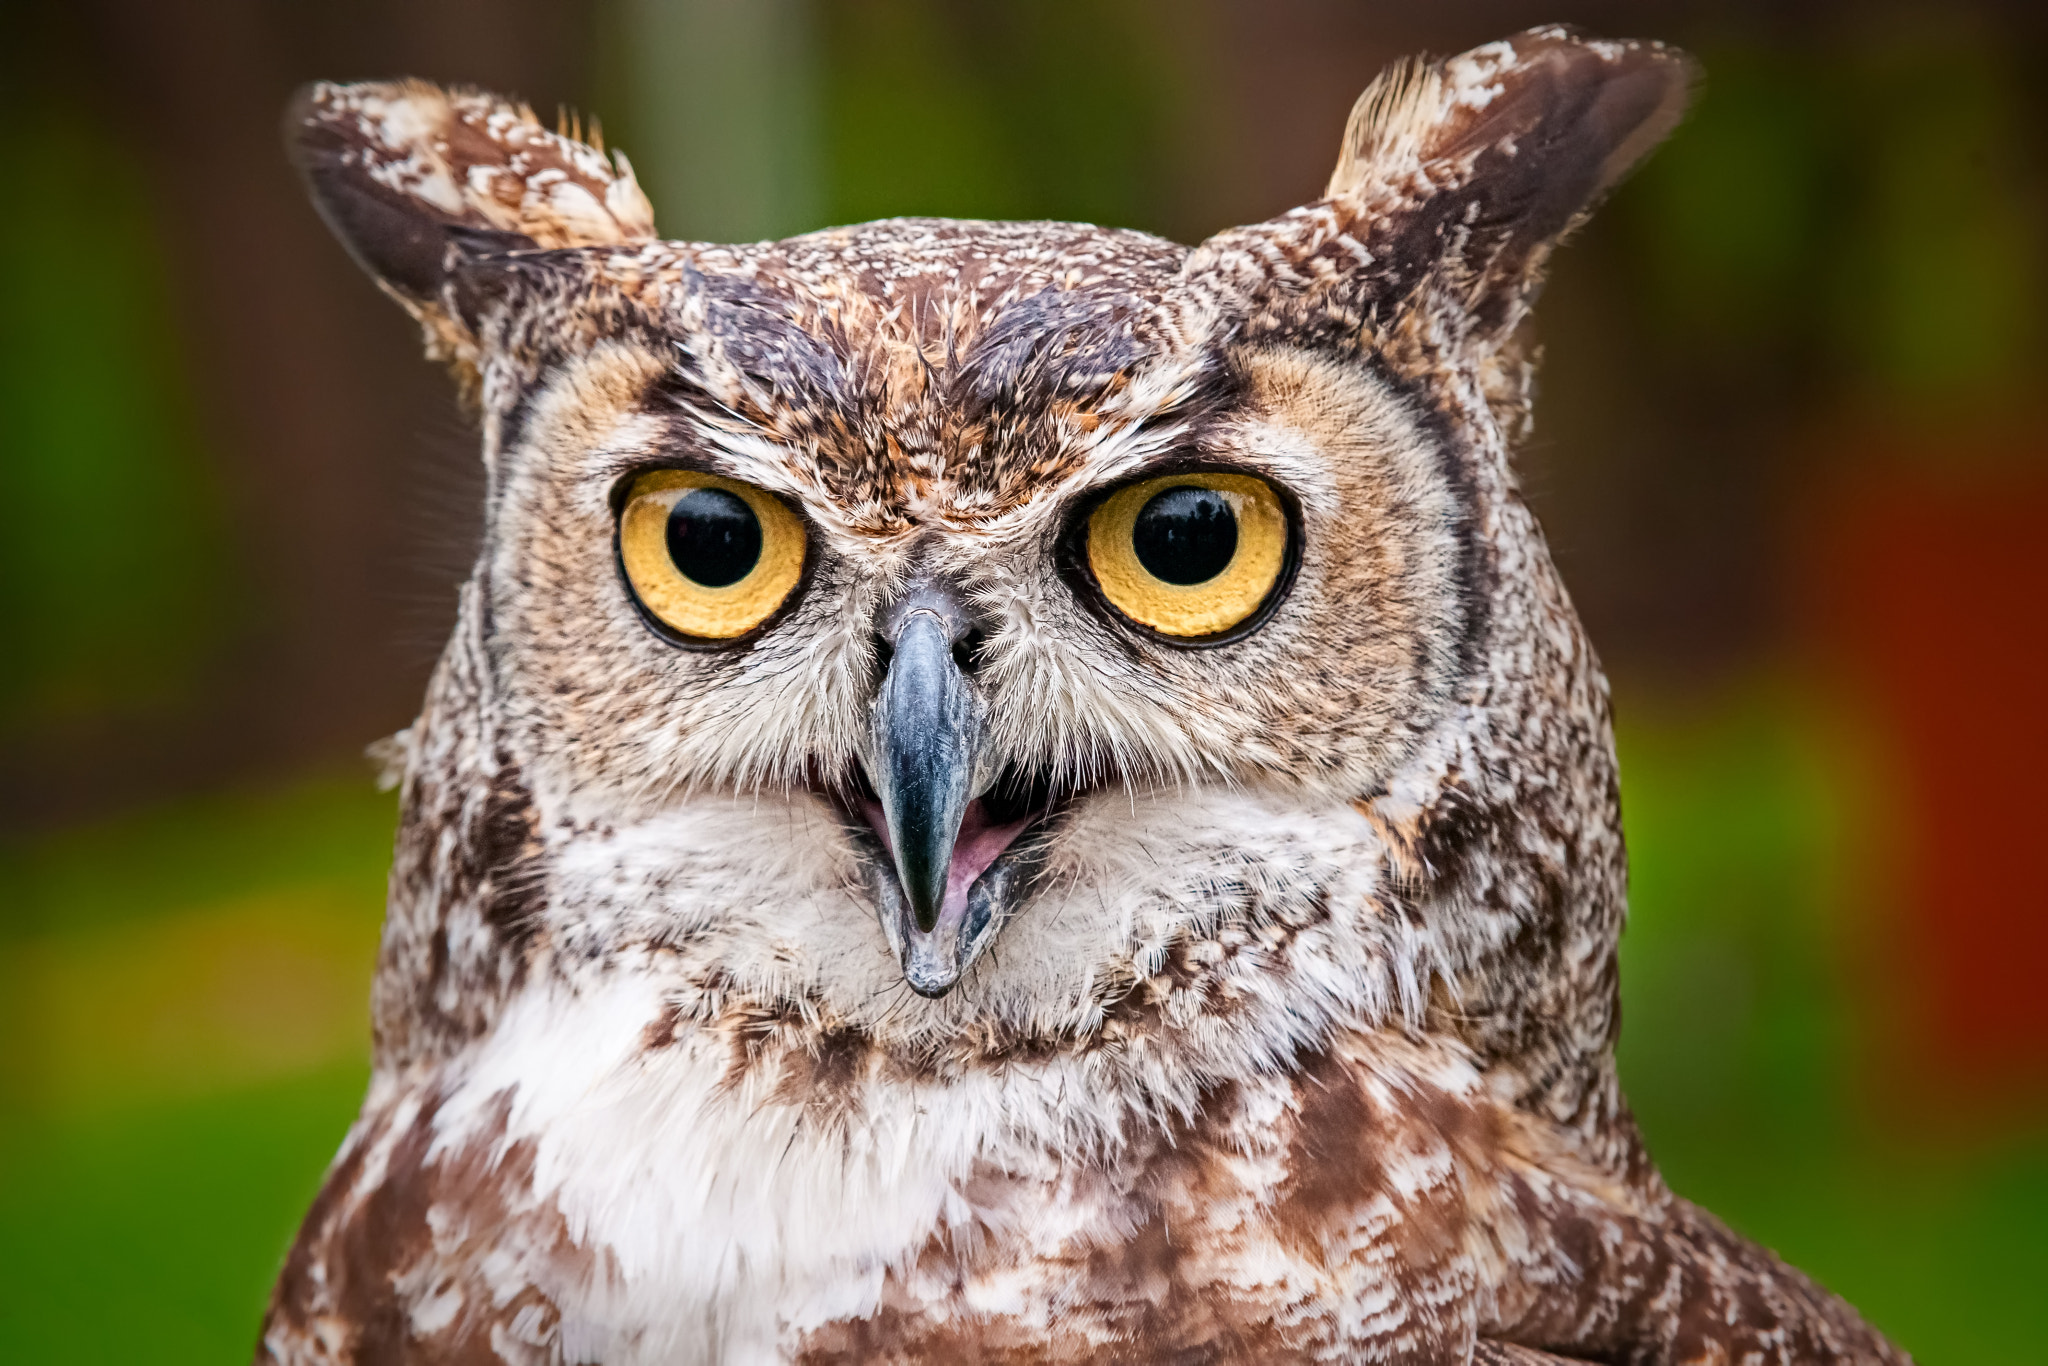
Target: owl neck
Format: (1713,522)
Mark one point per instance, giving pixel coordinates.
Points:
(465,876)
(1519,842)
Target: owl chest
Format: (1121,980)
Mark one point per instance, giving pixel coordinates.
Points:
(924,1235)
(1000,1215)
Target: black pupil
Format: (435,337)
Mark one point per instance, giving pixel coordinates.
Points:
(1185,535)
(713,537)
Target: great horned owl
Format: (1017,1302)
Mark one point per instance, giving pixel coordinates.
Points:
(1009,792)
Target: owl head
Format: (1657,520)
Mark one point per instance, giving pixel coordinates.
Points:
(1015,611)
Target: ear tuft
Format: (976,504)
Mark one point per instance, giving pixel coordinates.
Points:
(1582,110)
(1389,126)
(1454,181)
(395,167)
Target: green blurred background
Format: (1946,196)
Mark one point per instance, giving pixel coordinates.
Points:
(1790,452)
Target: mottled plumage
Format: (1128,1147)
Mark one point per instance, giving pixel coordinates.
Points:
(1282,1032)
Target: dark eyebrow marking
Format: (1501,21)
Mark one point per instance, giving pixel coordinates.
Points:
(1051,344)
(756,334)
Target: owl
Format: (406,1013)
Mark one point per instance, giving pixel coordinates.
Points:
(1009,792)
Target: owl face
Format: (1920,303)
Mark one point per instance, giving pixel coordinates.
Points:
(929,602)
(951,572)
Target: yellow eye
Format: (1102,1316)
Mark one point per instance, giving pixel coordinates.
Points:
(708,557)
(1189,555)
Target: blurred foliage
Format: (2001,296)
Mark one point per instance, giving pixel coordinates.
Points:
(1736,1015)
(950,108)
(1873,213)
(1939,294)
(112,589)
(1732,212)
(151,1172)
(718,104)
(327,832)
(986,110)
(153,1235)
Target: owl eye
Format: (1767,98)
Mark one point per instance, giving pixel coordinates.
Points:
(708,558)
(1190,555)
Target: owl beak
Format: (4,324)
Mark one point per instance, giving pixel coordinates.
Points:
(928,734)
(926,756)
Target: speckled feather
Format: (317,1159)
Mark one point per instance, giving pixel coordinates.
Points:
(1301,1048)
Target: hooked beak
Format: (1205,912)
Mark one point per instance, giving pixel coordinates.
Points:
(928,735)
(928,763)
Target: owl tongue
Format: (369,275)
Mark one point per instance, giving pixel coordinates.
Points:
(979,844)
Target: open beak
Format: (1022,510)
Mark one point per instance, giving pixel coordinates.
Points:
(928,735)
(928,763)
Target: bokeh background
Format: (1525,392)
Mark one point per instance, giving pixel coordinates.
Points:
(1791,456)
